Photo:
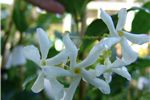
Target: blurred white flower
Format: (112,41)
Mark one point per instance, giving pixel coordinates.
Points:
(16,57)
(118,67)
(143,82)
(32,53)
(78,71)
(128,54)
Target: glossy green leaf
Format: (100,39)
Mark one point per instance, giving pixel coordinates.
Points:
(141,22)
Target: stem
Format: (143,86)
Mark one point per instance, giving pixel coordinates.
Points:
(83,24)
(129,92)
(7,35)
(148,48)
(77,26)
(82,85)
(81,90)
(21,38)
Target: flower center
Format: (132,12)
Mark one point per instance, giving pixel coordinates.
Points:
(43,63)
(77,70)
(120,33)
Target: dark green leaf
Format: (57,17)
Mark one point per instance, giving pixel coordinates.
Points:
(139,8)
(98,27)
(19,15)
(140,64)
(141,22)
(52,52)
(75,7)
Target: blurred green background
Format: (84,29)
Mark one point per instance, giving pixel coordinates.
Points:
(20,18)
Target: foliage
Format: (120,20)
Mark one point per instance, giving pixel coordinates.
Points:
(142,17)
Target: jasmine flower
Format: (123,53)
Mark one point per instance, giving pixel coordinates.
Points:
(128,54)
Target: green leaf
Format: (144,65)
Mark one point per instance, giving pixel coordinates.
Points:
(141,22)
(122,83)
(44,20)
(97,28)
(140,64)
(28,81)
(139,8)
(19,15)
(75,7)
(52,52)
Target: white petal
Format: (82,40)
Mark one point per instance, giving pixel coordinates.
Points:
(100,84)
(32,53)
(122,14)
(53,71)
(109,42)
(122,72)
(90,59)
(43,41)
(128,55)
(93,72)
(108,77)
(48,88)
(95,52)
(137,38)
(72,88)
(92,56)
(71,48)
(117,63)
(143,82)
(38,84)
(108,21)
(16,57)
(100,69)
(58,59)
(9,61)
(57,89)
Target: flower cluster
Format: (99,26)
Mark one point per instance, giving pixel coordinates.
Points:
(51,70)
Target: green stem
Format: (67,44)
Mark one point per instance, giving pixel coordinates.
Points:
(83,24)
(7,35)
(81,90)
(82,86)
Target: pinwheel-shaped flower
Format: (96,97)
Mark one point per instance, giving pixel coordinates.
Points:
(127,53)
(32,53)
(118,67)
(79,71)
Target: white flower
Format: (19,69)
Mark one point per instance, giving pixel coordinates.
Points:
(127,53)
(78,71)
(16,57)
(118,67)
(32,53)
(143,83)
